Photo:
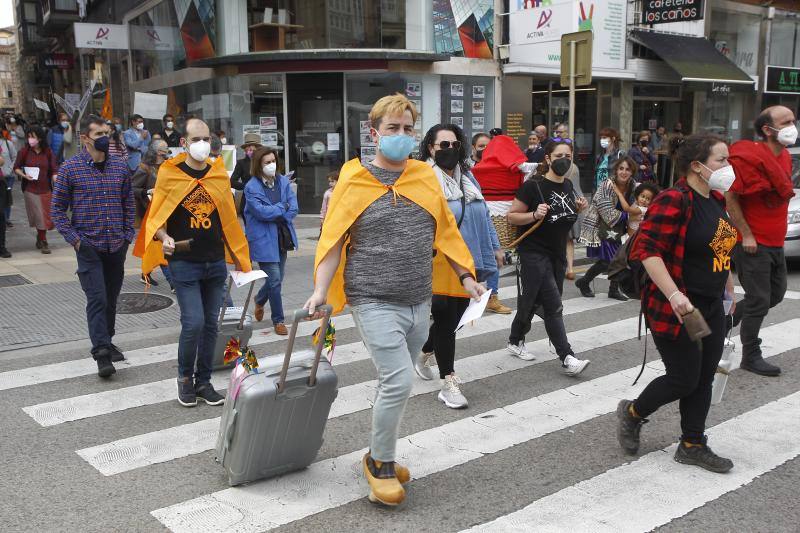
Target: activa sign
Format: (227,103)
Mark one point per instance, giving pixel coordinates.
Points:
(663,11)
(783,80)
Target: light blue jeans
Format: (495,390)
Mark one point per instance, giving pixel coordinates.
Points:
(394,335)
(492,279)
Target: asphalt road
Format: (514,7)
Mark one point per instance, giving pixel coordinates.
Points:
(535,450)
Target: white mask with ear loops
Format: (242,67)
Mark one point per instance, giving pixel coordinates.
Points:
(721,179)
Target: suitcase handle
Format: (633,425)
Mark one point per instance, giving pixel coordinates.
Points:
(299,315)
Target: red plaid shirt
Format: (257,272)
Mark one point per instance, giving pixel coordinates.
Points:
(662,234)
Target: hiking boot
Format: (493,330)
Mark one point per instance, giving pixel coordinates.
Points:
(701,455)
(755,363)
(281,329)
(187,397)
(402,473)
(520,351)
(104,367)
(5,254)
(258,312)
(615,293)
(422,365)
(450,394)
(583,286)
(45,248)
(573,366)
(116,353)
(206,392)
(495,306)
(628,427)
(384,486)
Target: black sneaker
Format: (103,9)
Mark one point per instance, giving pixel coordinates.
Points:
(703,457)
(628,427)
(5,254)
(104,367)
(144,279)
(186,394)
(116,354)
(583,286)
(206,392)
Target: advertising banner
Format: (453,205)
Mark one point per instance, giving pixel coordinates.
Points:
(104,36)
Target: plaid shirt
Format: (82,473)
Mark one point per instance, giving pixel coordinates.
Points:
(662,234)
(101,202)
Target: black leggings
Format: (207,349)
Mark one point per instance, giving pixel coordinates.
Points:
(600,267)
(690,368)
(446,311)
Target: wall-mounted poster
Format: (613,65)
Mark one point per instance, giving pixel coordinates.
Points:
(363,126)
(367,154)
(413,89)
(366,140)
(268,123)
(477,108)
(457,89)
(269,139)
(417,104)
(458,121)
(477,124)
(478,91)
(456,106)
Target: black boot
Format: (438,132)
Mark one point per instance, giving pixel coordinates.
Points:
(104,366)
(755,363)
(583,286)
(615,293)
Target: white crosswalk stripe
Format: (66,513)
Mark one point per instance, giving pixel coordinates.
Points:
(604,503)
(96,404)
(334,482)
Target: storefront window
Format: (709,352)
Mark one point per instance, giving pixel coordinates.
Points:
(785,46)
(464,27)
(736,36)
(468,102)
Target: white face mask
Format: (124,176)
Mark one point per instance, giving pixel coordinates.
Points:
(200,150)
(786,136)
(224,140)
(604,142)
(269,169)
(65,124)
(169,125)
(721,179)
(140,126)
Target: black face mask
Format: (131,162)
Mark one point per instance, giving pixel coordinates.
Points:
(101,144)
(478,155)
(446,158)
(644,142)
(561,166)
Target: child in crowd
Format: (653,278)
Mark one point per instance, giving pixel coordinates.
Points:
(333,177)
(644,194)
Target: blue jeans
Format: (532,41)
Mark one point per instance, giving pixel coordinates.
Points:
(101,275)
(271,290)
(394,335)
(10,184)
(200,288)
(492,279)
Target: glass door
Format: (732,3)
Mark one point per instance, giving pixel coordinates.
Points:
(316,133)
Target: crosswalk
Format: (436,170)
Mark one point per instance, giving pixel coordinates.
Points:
(499,421)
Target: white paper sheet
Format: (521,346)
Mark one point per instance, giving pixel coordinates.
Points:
(150,105)
(33,172)
(243,278)
(474,310)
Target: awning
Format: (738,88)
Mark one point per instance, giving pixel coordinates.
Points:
(330,54)
(695,59)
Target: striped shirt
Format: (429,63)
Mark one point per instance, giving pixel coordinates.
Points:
(101,202)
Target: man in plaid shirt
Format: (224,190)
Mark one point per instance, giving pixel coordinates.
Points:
(96,187)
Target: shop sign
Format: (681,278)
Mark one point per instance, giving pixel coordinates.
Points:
(57,61)
(664,11)
(537,27)
(104,36)
(784,80)
(720,89)
(159,38)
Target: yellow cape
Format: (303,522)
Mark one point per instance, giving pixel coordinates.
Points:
(172,186)
(357,189)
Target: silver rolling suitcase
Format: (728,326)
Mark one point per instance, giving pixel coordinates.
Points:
(273,421)
(233,322)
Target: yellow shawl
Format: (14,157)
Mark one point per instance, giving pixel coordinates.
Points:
(172,186)
(357,189)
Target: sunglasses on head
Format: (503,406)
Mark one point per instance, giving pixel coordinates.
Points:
(562,140)
(449,144)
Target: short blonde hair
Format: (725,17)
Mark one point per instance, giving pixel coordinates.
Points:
(395,104)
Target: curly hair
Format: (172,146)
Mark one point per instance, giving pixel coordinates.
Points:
(430,138)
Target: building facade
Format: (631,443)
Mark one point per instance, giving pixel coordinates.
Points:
(9,93)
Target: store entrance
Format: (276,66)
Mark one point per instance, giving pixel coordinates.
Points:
(316,133)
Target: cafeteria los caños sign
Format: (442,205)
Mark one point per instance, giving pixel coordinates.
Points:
(663,11)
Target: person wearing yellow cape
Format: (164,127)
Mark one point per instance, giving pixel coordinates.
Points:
(193,216)
(388,242)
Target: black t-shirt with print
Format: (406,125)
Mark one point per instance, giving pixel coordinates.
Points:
(710,237)
(196,217)
(551,237)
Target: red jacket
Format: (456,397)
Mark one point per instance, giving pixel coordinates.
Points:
(497,172)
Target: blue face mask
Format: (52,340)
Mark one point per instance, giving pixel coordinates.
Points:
(396,147)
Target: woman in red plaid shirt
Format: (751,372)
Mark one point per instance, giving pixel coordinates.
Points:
(685,243)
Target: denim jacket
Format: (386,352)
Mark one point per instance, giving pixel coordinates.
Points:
(262,217)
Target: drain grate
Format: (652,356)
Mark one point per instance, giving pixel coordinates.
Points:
(132,303)
(13,280)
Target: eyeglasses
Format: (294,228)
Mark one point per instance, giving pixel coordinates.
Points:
(448,144)
(562,140)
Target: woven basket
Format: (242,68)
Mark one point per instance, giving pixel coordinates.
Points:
(506,232)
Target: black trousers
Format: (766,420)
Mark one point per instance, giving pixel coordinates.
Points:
(763,277)
(690,368)
(2,227)
(101,275)
(5,200)
(446,311)
(542,279)
(599,267)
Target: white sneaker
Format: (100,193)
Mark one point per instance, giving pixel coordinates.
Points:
(423,364)
(573,366)
(520,351)
(451,393)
